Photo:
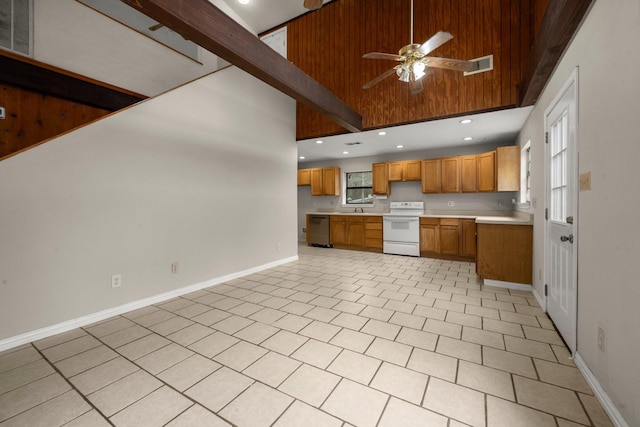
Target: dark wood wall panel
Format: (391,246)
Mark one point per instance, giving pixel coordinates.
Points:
(32,117)
(328,45)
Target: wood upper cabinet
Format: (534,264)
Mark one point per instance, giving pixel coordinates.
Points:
(468,237)
(469,174)
(325,181)
(317,189)
(508,168)
(304,176)
(395,171)
(450,175)
(407,170)
(487,172)
(431,175)
(331,181)
(380,172)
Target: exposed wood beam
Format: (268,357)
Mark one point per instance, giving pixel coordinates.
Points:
(560,22)
(206,25)
(29,74)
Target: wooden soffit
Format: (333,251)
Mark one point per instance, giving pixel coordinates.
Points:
(560,22)
(20,71)
(209,27)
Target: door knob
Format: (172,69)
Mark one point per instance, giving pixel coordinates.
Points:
(565,238)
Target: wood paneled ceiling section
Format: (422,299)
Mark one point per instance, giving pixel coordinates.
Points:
(328,44)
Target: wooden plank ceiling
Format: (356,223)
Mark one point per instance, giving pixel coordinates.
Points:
(206,25)
(328,45)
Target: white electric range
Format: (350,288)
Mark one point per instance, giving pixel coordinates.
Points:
(401,228)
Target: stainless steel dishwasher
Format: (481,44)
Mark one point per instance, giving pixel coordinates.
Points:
(319,230)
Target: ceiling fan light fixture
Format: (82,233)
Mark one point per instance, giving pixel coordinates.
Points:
(418,68)
(404,75)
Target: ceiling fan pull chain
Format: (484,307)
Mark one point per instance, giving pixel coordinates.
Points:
(411,36)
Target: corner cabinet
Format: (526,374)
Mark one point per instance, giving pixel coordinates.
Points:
(487,172)
(508,168)
(323,181)
(448,238)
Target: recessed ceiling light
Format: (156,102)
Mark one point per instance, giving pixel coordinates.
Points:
(382,133)
(318,142)
(466,121)
(243,1)
(345,152)
(468,138)
(301,157)
(399,146)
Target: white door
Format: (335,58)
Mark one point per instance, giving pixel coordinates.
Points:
(561,243)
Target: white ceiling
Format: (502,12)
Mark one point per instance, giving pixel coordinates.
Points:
(499,127)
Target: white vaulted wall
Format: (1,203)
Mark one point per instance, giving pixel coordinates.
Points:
(204,175)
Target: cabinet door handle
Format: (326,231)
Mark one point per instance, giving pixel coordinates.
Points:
(567,238)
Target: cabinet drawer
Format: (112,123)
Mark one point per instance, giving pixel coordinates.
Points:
(338,218)
(429,221)
(373,234)
(373,219)
(372,226)
(449,221)
(359,219)
(373,243)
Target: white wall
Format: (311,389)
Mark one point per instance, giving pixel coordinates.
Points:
(74,37)
(402,191)
(204,175)
(606,52)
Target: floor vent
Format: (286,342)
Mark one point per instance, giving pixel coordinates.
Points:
(485,63)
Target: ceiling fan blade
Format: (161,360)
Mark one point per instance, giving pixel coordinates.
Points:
(380,78)
(378,55)
(437,40)
(415,86)
(450,64)
(313,4)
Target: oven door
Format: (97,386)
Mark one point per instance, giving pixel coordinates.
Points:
(405,229)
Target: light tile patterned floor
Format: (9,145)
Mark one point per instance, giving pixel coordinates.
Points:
(338,338)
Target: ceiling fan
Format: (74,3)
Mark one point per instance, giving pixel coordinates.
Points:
(414,60)
(313,4)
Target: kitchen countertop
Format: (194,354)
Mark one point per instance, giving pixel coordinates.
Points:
(487,217)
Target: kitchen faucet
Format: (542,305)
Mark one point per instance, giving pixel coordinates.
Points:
(355,210)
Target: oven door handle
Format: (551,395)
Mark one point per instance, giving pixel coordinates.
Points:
(401,219)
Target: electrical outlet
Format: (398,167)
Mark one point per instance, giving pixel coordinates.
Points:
(500,203)
(451,203)
(174,268)
(601,339)
(304,229)
(116,280)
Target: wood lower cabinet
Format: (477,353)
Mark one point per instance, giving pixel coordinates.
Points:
(429,236)
(359,232)
(505,252)
(449,238)
(468,238)
(373,232)
(380,177)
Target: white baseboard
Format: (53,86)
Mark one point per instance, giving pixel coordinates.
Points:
(68,325)
(542,301)
(507,285)
(601,395)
